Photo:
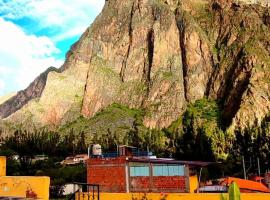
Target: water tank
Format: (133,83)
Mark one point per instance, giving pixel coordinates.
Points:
(96,150)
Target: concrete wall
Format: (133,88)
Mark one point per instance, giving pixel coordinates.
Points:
(157,196)
(25,186)
(193,183)
(3,164)
(22,186)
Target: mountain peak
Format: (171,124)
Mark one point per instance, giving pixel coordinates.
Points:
(159,56)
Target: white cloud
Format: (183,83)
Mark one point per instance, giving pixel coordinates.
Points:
(2,85)
(23,57)
(67,15)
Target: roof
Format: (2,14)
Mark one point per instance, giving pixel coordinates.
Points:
(132,147)
(213,188)
(170,161)
(81,155)
(247,184)
(69,158)
(41,155)
(256,178)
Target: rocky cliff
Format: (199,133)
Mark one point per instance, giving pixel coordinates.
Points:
(158,56)
(33,91)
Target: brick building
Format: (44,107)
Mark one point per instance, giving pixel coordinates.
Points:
(128,173)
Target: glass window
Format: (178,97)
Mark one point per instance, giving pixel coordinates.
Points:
(168,170)
(139,171)
(158,170)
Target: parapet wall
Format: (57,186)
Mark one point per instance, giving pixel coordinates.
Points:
(25,187)
(161,196)
(22,186)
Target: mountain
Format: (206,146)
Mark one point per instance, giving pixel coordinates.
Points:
(6,97)
(156,57)
(16,101)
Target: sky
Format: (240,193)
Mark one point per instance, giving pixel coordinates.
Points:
(36,34)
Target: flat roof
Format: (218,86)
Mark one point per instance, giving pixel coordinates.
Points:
(170,161)
(132,147)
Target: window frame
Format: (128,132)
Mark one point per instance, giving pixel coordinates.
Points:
(139,171)
(168,170)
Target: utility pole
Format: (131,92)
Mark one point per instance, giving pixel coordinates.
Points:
(244,167)
(259,168)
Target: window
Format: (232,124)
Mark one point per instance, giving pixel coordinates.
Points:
(168,170)
(139,171)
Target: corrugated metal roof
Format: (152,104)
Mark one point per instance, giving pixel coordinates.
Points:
(247,184)
(213,188)
(170,161)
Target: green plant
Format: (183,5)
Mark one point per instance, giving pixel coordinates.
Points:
(234,193)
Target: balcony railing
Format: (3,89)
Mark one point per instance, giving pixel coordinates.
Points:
(135,153)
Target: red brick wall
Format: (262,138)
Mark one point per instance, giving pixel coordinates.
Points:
(139,184)
(169,183)
(158,184)
(108,173)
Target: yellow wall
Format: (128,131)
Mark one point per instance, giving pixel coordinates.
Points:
(193,183)
(110,196)
(3,165)
(18,185)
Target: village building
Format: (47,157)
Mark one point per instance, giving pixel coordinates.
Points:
(131,172)
(77,159)
(80,158)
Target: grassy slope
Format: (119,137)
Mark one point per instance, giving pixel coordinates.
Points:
(6,97)
(115,119)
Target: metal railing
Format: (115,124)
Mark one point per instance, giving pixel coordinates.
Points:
(86,191)
(134,153)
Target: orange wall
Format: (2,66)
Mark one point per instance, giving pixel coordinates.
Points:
(3,164)
(193,183)
(19,185)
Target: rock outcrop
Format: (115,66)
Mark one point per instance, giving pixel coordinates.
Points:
(158,55)
(33,91)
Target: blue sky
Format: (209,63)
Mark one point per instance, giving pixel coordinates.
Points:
(36,34)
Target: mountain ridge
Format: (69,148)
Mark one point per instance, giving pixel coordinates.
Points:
(158,56)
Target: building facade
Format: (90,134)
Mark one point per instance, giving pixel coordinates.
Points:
(126,174)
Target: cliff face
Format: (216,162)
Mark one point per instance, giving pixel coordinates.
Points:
(159,56)
(17,101)
(241,80)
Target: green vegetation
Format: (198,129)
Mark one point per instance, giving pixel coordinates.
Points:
(115,120)
(27,145)
(238,42)
(201,137)
(197,135)
(104,68)
(234,193)
(204,109)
